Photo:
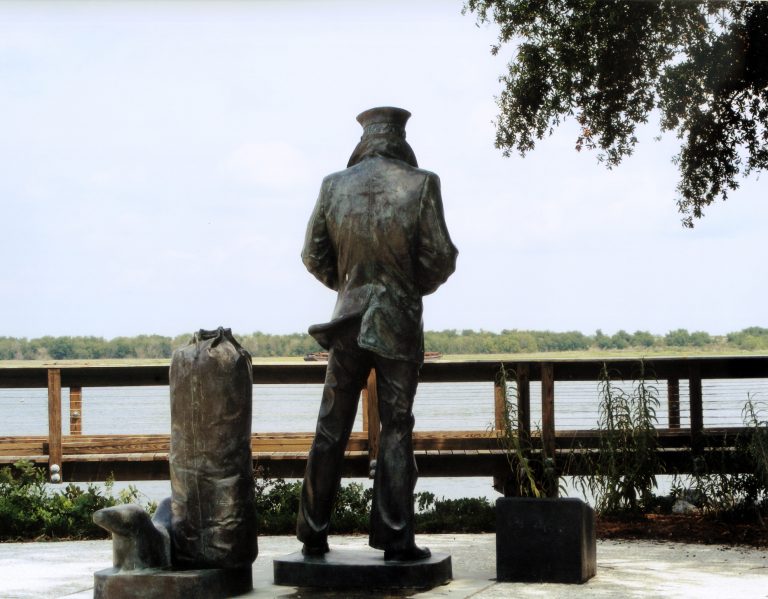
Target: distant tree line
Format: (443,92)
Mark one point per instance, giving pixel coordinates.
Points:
(143,346)
(85,348)
(481,342)
(446,342)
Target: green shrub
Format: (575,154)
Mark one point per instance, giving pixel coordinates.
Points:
(29,509)
(353,504)
(277,505)
(468,515)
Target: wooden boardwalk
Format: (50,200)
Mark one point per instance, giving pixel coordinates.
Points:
(438,453)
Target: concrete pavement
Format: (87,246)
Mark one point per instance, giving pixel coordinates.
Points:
(626,569)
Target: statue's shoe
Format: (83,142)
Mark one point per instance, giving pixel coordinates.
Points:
(315,550)
(411,554)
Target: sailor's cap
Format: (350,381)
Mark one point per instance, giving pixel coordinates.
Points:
(384,120)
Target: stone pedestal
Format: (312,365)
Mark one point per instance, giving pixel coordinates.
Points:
(545,540)
(347,569)
(151,583)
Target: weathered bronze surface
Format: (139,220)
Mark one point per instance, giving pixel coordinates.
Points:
(377,236)
(212,583)
(355,570)
(202,540)
(213,519)
(137,542)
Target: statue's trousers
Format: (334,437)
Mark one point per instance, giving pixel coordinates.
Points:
(392,514)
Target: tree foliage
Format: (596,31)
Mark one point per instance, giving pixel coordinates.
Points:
(610,64)
(449,342)
(143,346)
(751,338)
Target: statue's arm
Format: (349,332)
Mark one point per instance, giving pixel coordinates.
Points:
(436,255)
(318,254)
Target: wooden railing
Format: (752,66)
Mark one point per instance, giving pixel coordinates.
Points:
(438,453)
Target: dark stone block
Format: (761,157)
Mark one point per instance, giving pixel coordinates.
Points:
(346,569)
(172,584)
(545,540)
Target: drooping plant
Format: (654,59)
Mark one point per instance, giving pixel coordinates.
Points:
(623,470)
(733,482)
(521,480)
(755,415)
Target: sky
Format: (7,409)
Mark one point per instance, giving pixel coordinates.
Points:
(159,163)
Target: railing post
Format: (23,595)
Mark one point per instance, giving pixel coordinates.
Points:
(524,403)
(499,393)
(54,425)
(75,411)
(673,402)
(371,420)
(502,481)
(522,381)
(548,427)
(697,407)
(501,476)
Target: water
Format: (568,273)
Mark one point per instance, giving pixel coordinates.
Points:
(293,408)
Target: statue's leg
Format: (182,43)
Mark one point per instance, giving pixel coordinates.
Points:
(392,514)
(344,378)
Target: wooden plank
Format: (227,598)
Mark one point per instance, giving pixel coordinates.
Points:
(23,446)
(673,402)
(548,407)
(374,421)
(584,369)
(355,465)
(442,462)
(663,367)
(499,395)
(548,418)
(115,444)
(456,372)
(523,372)
(304,373)
(37,459)
(697,406)
(95,444)
(75,410)
(115,376)
(54,424)
(300,442)
(23,377)
(459,440)
(115,457)
(364,404)
(485,465)
(85,445)
(99,471)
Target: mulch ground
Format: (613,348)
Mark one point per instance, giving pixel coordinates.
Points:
(684,529)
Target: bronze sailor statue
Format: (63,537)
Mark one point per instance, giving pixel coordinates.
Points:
(378,237)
